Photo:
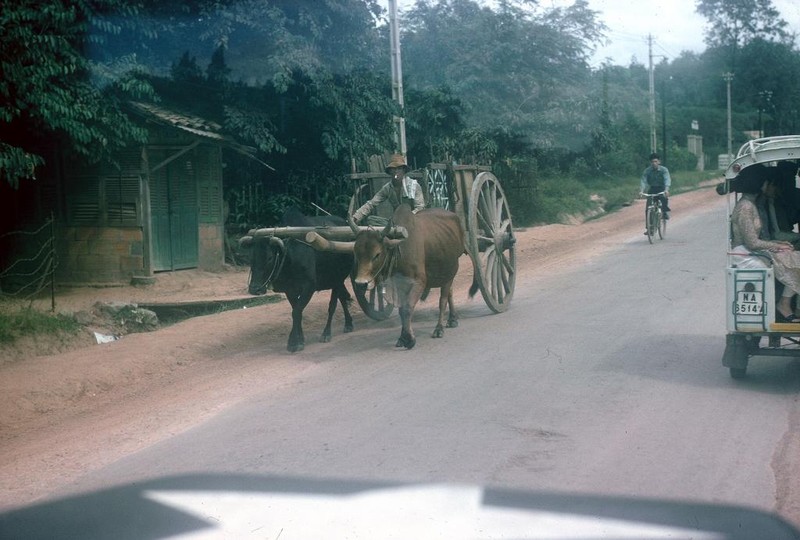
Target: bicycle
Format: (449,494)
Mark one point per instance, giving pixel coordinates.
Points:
(654,220)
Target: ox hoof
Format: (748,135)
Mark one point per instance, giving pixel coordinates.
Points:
(325,338)
(407,342)
(296,347)
(452,323)
(348,328)
(438,331)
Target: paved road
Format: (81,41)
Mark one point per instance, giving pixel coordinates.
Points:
(603,380)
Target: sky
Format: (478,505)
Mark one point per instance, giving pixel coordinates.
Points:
(674,25)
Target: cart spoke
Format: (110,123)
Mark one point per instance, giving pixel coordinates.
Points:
(484,242)
(498,210)
(483,216)
(491,272)
(486,210)
(485,225)
(499,285)
(506,263)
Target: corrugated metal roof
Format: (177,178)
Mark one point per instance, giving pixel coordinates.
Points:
(195,125)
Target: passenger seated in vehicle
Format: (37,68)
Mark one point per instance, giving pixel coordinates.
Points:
(786,173)
(781,217)
(751,233)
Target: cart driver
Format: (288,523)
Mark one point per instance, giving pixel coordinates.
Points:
(400,189)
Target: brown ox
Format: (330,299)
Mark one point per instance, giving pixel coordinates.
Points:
(427,259)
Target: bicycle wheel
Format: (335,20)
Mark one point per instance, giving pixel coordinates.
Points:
(662,224)
(649,223)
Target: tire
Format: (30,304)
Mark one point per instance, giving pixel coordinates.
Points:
(648,223)
(662,225)
(737,354)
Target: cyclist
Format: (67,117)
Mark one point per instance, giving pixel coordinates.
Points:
(656,179)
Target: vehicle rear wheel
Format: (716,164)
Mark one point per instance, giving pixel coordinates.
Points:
(662,225)
(737,354)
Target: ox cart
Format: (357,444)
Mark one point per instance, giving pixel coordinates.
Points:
(476,197)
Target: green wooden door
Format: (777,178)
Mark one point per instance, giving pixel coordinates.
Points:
(173,207)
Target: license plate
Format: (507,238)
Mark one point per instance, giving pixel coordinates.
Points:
(749,303)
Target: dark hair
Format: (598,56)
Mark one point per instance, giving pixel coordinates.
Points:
(654,156)
(750,179)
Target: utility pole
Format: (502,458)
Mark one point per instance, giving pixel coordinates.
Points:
(728,76)
(764,100)
(397,78)
(664,139)
(652,95)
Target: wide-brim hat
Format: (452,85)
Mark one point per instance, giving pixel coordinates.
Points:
(397,161)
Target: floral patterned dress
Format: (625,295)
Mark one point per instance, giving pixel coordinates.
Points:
(746,224)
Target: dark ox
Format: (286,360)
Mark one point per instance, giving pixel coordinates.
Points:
(298,270)
(427,259)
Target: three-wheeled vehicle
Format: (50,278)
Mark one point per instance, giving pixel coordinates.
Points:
(753,328)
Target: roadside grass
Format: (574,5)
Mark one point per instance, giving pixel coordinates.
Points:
(561,200)
(16,323)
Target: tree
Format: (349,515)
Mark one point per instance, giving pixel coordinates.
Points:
(51,90)
(218,71)
(515,67)
(732,24)
(768,82)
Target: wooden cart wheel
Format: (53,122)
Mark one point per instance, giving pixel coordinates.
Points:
(377,304)
(491,242)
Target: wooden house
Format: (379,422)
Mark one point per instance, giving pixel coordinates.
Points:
(159,208)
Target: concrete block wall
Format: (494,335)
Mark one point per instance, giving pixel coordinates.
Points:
(93,255)
(211,253)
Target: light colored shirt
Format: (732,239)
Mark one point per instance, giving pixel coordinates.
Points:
(410,191)
(655,177)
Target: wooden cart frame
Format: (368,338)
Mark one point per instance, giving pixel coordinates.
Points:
(474,194)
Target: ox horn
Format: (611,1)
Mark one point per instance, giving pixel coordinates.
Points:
(277,242)
(245,241)
(393,242)
(352,224)
(323,244)
(398,233)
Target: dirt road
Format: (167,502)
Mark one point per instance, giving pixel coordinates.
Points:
(66,413)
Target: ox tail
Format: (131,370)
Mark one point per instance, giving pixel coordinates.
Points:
(474,287)
(425,294)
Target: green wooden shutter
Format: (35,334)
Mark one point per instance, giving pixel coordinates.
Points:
(122,200)
(84,201)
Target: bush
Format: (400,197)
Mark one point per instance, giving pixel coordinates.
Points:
(680,159)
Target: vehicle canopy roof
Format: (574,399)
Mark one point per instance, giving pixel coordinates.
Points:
(764,151)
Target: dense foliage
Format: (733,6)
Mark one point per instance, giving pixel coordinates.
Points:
(505,83)
(51,89)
